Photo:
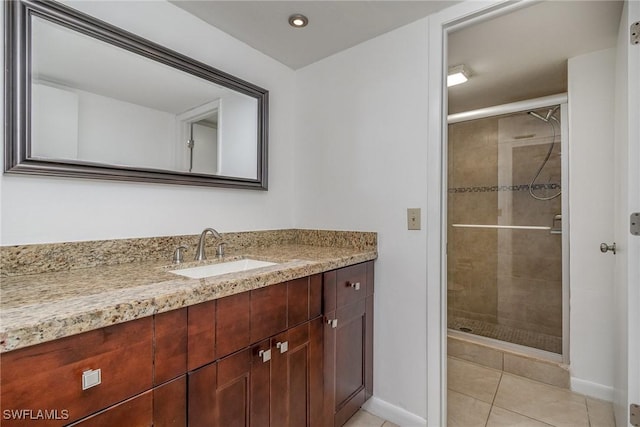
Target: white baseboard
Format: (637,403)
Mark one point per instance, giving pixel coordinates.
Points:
(395,414)
(589,388)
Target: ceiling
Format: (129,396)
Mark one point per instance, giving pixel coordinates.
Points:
(333,25)
(523,54)
(517,56)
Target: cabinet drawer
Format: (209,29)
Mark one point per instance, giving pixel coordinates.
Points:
(163,406)
(49,376)
(351,284)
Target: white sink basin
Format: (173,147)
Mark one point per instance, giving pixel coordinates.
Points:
(221,268)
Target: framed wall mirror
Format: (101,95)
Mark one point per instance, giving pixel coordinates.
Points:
(86,99)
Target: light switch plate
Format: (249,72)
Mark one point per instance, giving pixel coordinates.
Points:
(634,223)
(413,218)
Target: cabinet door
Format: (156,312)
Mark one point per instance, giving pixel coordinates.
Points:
(261,358)
(286,378)
(170,404)
(350,360)
(348,341)
(296,381)
(219,392)
(345,352)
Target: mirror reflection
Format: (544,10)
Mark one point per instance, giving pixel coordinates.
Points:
(95,103)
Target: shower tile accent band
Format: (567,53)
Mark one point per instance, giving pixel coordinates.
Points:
(494,188)
(509,227)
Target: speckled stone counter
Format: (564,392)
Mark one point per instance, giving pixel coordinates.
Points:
(44,306)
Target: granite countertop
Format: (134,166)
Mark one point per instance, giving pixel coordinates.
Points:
(36,308)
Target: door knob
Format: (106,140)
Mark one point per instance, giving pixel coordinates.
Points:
(604,248)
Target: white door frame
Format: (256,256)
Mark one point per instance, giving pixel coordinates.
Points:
(627,274)
(455,17)
(440,24)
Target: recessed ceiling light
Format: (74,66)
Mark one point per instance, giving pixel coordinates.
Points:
(298,20)
(457,75)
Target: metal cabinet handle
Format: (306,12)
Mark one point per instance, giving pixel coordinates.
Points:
(332,322)
(265,355)
(355,286)
(604,248)
(91,378)
(283,346)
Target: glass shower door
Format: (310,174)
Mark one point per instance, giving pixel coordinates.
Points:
(504,228)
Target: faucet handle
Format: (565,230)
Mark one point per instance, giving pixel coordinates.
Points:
(220,249)
(178,255)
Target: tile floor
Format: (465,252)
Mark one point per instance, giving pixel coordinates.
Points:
(363,418)
(486,397)
(481,396)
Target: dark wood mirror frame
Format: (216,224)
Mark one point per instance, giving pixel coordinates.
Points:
(18,95)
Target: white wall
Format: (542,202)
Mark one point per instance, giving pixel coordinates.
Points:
(360,162)
(121,133)
(36,209)
(50,107)
(238,130)
(591,128)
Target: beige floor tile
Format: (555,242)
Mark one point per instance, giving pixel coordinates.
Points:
(502,418)
(363,418)
(465,411)
(546,372)
(600,413)
(472,352)
(471,379)
(543,402)
(389,424)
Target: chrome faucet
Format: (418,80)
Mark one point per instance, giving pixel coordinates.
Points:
(200,253)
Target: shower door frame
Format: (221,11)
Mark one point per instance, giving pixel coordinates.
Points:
(440,25)
(518,107)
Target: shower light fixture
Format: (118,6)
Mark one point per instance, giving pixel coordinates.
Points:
(458,74)
(298,20)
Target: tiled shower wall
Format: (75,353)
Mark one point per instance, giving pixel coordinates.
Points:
(504,276)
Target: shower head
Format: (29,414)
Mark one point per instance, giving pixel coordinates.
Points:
(548,116)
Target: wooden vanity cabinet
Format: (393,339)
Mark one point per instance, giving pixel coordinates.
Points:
(271,371)
(262,357)
(348,341)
